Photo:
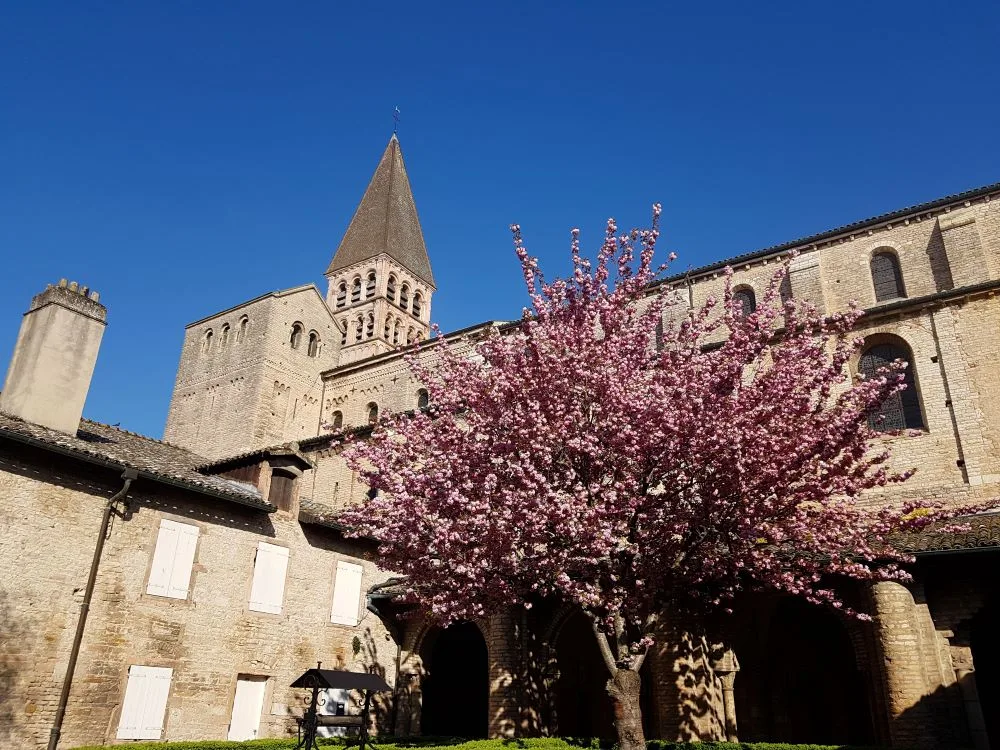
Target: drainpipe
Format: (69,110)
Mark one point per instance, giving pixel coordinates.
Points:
(129,475)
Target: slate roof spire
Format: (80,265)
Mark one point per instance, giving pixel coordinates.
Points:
(386,221)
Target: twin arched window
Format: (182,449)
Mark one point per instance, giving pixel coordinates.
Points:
(887,277)
(900,411)
(745,301)
(296,337)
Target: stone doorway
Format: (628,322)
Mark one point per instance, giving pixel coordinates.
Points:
(456,688)
(799,679)
(985,627)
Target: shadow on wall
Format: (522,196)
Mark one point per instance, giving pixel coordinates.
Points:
(367,650)
(11,638)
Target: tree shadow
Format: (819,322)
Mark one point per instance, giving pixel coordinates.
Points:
(12,634)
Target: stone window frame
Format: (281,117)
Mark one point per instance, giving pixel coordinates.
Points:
(882,277)
(745,296)
(295,337)
(884,338)
(151,535)
(248,577)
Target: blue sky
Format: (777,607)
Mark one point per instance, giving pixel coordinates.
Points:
(182,157)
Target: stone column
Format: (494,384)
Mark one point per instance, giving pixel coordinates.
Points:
(504,649)
(899,649)
(725,669)
(961,657)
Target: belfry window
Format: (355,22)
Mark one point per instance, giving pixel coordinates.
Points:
(387,331)
(296,338)
(372,413)
(887,277)
(396,330)
(206,342)
(359,329)
(370,326)
(343,333)
(241,332)
(313,349)
(390,287)
(900,411)
(744,301)
(404,297)
(224,336)
(417,304)
(342,294)
(356,290)
(370,285)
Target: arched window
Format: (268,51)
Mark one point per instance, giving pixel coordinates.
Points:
(396,330)
(423,398)
(224,336)
(206,342)
(338,420)
(296,338)
(343,333)
(417,304)
(356,290)
(241,331)
(372,413)
(886,277)
(745,301)
(370,285)
(313,350)
(387,332)
(404,296)
(370,327)
(342,294)
(359,329)
(372,493)
(390,287)
(411,336)
(900,411)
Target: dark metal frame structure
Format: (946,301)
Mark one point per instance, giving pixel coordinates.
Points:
(324,679)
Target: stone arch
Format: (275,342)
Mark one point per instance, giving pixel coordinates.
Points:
(745,299)
(886,274)
(454,680)
(911,400)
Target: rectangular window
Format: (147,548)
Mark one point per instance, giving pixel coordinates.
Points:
(268,589)
(282,487)
(173,556)
(145,703)
(247,706)
(346,594)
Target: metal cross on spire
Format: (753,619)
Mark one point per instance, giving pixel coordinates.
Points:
(395,120)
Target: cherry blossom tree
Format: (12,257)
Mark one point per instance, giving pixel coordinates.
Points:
(630,456)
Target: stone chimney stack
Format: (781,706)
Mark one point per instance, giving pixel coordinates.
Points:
(54,358)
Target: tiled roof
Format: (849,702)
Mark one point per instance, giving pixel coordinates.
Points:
(983,533)
(318,514)
(386,221)
(832,233)
(109,446)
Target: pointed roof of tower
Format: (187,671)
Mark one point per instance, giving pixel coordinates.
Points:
(386,221)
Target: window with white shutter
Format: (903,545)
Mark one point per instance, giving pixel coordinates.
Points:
(346,594)
(170,574)
(268,589)
(145,703)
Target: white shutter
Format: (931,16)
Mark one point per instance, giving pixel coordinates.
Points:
(170,573)
(346,594)
(268,589)
(145,703)
(247,706)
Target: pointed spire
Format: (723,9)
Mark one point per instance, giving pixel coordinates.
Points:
(386,221)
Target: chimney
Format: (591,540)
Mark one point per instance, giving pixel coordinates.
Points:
(54,358)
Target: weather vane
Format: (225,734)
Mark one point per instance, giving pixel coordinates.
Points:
(395,120)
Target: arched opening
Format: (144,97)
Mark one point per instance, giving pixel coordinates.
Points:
(241,332)
(785,289)
(900,411)
(799,680)
(396,330)
(296,337)
(390,287)
(456,688)
(359,329)
(372,413)
(887,278)
(337,420)
(387,332)
(206,342)
(370,285)
(423,399)
(417,304)
(342,294)
(313,349)
(370,326)
(404,296)
(583,707)
(986,661)
(356,290)
(224,336)
(343,333)
(745,301)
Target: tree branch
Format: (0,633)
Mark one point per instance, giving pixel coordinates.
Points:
(604,646)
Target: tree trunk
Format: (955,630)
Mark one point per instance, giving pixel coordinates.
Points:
(623,687)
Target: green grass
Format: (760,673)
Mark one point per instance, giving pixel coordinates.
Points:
(446,743)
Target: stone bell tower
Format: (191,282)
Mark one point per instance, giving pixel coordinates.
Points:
(380,280)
